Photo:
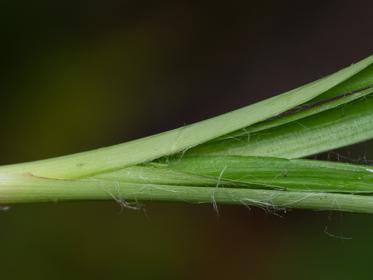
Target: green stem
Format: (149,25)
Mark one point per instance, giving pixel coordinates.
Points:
(128,171)
(25,188)
(201,180)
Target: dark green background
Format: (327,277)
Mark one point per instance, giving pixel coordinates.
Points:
(79,75)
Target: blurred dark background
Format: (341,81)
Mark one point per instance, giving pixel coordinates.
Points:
(79,75)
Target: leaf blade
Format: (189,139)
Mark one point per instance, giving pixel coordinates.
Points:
(325,131)
(178,140)
(282,174)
